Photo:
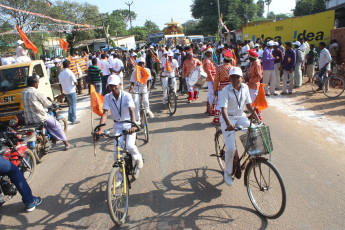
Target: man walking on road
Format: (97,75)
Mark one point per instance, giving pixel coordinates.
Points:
(210,70)
(68,83)
(288,66)
(278,54)
(188,66)
(268,67)
(105,67)
(95,74)
(299,63)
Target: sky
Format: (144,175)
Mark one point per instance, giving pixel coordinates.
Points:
(161,11)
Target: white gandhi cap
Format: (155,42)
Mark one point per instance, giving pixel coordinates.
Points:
(170,54)
(141,60)
(236,71)
(114,79)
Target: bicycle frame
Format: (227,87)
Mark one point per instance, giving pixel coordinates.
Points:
(120,163)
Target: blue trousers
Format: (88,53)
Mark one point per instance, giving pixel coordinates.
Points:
(17,178)
(72,106)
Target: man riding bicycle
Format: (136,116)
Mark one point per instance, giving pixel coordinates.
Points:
(137,88)
(232,100)
(122,108)
(170,68)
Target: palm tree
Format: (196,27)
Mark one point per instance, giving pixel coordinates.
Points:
(268,3)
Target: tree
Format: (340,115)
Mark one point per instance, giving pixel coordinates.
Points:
(140,33)
(80,13)
(151,26)
(116,22)
(260,6)
(268,3)
(306,7)
(126,15)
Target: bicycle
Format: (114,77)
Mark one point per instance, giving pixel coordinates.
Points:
(259,174)
(118,195)
(143,118)
(172,98)
(332,86)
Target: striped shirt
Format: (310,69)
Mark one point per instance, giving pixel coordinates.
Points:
(35,106)
(95,74)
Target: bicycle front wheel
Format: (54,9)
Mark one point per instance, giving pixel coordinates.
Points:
(172,103)
(220,149)
(265,188)
(64,124)
(118,196)
(333,87)
(145,125)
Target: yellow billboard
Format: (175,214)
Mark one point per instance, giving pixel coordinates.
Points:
(315,28)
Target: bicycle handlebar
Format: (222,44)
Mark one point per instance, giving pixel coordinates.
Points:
(108,134)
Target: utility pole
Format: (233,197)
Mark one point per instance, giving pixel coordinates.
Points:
(130,16)
(219,25)
(105,32)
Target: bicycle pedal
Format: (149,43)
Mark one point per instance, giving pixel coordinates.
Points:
(213,155)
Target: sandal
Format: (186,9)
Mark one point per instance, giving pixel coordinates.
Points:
(71,146)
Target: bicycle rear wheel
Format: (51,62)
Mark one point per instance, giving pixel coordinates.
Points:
(220,149)
(265,188)
(117,196)
(334,86)
(314,86)
(64,124)
(145,125)
(40,147)
(172,103)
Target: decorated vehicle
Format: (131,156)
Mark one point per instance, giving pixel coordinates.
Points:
(13,80)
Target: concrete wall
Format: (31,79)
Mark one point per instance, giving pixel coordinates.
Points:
(339,34)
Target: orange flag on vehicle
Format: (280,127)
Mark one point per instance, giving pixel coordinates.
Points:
(260,101)
(96,101)
(63,44)
(142,74)
(167,64)
(27,42)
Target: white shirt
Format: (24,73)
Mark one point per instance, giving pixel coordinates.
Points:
(235,104)
(116,64)
(138,87)
(325,57)
(68,81)
(8,61)
(20,51)
(174,65)
(105,66)
(119,110)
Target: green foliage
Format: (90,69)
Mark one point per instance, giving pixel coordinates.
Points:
(192,27)
(140,33)
(151,26)
(260,6)
(116,23)
(126,15)
(306,7)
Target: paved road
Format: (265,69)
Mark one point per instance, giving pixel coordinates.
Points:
(180,186)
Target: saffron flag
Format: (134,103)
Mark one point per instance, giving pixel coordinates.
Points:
(142,74)
(27,42)
(168,66)
(96,101)
(63,44)
(131,60)
(155,57)
(260,101)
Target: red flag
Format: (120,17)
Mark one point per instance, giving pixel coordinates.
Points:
(142,74)
(155,57)
(63,44)
(260,101)
(27,42)
(96,101)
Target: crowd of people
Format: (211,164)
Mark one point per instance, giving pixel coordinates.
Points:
(233,73)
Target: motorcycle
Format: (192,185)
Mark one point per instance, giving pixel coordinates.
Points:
(37,136)
(15,150)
